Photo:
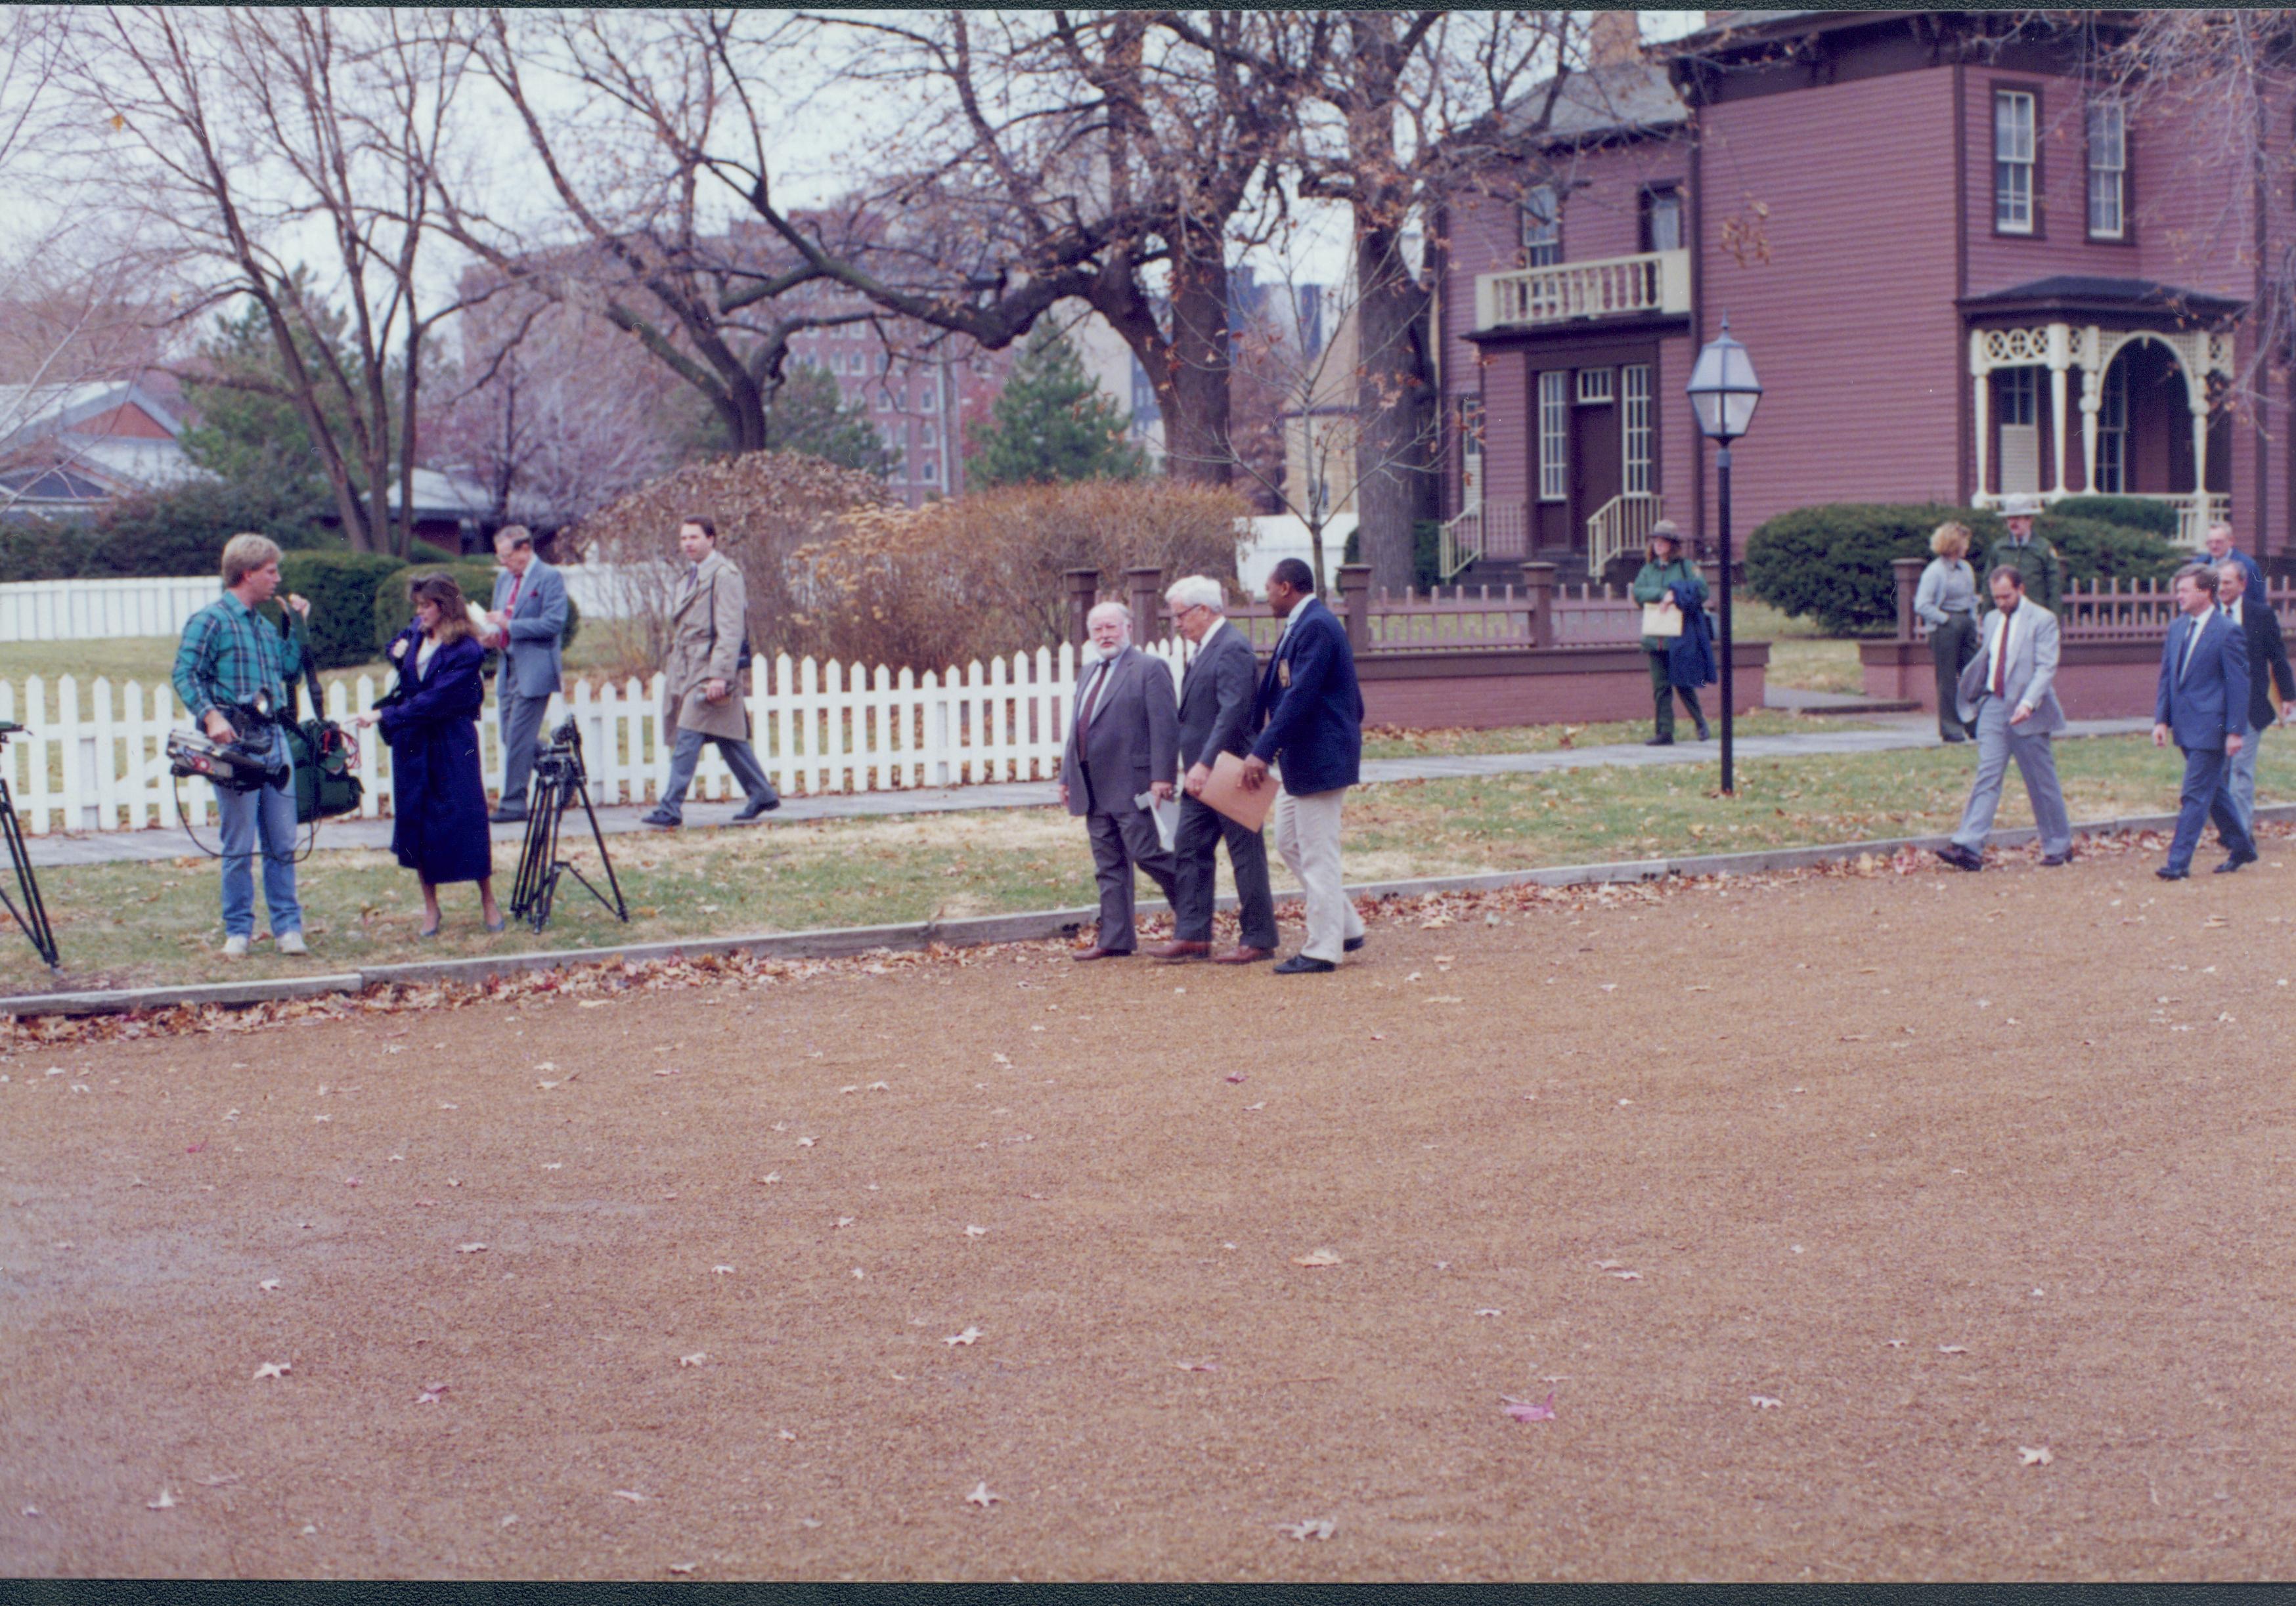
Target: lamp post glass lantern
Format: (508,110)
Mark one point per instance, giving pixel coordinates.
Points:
(1723,393)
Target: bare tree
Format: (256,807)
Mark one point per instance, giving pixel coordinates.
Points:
(232,136)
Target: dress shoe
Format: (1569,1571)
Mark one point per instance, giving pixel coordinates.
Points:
(2051,861)
(1950,737)
(1705,732)
(2167,874)
(1086,955)
(1300,964)
(1659,742)
(661,820)
(1245,957)
(507,817)
(1351,944)
(2231,866)
(1182,950)
(756,807)
(1960,857)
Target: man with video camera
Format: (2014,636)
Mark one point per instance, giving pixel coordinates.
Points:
(235,672)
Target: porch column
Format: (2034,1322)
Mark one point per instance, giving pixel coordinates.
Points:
(2195,357)
(2060,359)
(1979,376)
(2092,397)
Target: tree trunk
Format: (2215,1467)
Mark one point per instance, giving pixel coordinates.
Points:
(1396,486)
(1196,444)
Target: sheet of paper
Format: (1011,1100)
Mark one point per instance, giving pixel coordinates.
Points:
(1225,792)
(1167,815)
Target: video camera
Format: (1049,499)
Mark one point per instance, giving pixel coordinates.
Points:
(229,764)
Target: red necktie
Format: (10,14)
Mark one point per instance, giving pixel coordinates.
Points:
(2000,656)
(1092,698)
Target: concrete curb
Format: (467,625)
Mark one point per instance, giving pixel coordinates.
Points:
(1030,926)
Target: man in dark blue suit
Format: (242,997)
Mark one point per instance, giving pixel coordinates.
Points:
(2202,703)
(1309,714)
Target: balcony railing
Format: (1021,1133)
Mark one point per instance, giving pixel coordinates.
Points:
(1653,281)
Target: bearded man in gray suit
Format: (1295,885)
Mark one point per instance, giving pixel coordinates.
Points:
(1123,745)
(1216,698)
(2008,692)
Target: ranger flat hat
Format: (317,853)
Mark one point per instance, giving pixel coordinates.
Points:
(1664,530)
(2022,505)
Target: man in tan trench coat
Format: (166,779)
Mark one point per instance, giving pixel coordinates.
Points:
(702,697)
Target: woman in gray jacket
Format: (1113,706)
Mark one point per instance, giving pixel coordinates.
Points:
(1947,600)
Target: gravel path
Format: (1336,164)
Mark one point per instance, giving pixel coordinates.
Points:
(1893,1225)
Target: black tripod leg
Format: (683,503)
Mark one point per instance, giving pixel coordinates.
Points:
(621,910)
(34,915)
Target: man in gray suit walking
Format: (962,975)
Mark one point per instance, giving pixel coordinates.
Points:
(529,621)
(1123,745)
(1216,700)
(2007,691)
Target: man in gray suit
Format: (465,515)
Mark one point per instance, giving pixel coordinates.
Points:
(528,624)
(1215,718)
(2008,692)
(1123,745)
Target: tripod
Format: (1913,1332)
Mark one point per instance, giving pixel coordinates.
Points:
(33,916)
(558,777)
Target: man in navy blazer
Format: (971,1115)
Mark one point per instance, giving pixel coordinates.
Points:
(528,624)
(1309,714)
(2203,702)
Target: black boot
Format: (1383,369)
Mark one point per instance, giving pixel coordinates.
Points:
(1705,732)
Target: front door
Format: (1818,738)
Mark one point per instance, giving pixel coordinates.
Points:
(1596,453)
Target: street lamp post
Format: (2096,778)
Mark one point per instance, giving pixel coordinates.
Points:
(1723,392)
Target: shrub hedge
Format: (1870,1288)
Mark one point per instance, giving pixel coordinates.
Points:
(340,586)
(1834,563)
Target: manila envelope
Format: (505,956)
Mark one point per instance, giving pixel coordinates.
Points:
(1226,792)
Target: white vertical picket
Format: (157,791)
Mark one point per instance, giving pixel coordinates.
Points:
(370,751)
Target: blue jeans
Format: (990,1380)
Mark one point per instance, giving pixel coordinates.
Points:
(268,813)
(2206,797)
(686,758)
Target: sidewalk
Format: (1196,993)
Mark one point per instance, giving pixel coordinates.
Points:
(99,848)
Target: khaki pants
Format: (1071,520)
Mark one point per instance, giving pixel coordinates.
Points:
(1308,836)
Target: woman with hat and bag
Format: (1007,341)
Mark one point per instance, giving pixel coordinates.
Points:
(1673,594)
(431,718)
(1946,602)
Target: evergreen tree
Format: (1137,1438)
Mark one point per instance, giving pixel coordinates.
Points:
(249,434)
(1052,423)
(810,415)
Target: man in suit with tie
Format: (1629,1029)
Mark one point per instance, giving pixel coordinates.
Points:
(2007,692)
(2203,704)
(2267,666)
(1311,711)
(2223,550)
(529,625)
(1216,698)
(1123,746)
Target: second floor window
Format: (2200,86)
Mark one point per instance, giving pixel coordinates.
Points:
(2012,162)
(2108,170)
(1542,228)
(1661,220)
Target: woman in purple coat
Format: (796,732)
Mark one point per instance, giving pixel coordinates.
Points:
(429,718)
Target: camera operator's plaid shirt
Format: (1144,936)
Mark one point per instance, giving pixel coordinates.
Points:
(229,655)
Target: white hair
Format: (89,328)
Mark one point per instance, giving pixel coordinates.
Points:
(1196,591)
(1109,608)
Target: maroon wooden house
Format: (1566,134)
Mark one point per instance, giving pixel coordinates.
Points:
(1963,267)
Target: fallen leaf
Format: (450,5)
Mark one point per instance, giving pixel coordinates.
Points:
(981,1497)
(1248,1108)
(432,1393)
(2031,1457)
(217,1481)
(971,1232)
(1447,999)
(1195,1365)
(1523,1411)
(1314,1527)
(768,1180)
(470,1248)
(1953,1350)
(269,1285)
(1763,1402)
(881,1087)
(162,1504)
(681,1567)
(1318,1257)
(971,1335)
(632,1495)
(1627,1276)
(805,1142)
(790,1436)
(1491,1313)
(274,1369)
(695,1359)
(1235,1076)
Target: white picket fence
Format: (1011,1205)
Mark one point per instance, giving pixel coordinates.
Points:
(94,609)
(94,759)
